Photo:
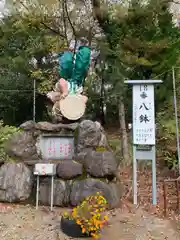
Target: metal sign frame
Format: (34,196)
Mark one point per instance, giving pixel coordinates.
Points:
(143,151)
(51,172)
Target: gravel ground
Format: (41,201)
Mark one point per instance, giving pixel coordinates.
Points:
(26,223)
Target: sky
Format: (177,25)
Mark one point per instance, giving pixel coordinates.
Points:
(2,5)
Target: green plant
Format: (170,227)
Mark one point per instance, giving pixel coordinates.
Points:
(100,149)
(90,215)
(166,142)
(5,133)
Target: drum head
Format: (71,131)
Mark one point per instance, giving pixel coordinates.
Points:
(72,107)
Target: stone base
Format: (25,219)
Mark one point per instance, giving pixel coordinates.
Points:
(16,182)
(93,171)
(62,191)
(73,192)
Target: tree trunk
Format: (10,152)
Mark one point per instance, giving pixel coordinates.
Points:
(101,104)
(124,135)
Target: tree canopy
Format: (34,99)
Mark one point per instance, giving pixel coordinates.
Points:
(133,41)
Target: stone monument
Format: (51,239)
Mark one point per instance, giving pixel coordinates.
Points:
(91,168)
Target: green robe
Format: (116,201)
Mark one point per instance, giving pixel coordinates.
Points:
(81,65)
(75,72)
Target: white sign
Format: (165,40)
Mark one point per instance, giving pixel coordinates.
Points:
(45,169)
(57,147)
(143,114)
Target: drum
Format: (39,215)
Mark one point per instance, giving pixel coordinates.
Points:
(72,107)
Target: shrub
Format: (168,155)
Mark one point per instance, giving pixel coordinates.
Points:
(90,215)
(5,133)
(166,144)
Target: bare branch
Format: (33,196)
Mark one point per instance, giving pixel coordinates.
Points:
(64,21)
(68,17)
(69,20)
(53,30)
(45,25)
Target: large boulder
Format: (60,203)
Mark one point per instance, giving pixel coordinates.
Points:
(28,125)
(69,169)
(51,127)
(83,188)
(90,135)
(100,164)
(16,182)
(22,146)
(61,189)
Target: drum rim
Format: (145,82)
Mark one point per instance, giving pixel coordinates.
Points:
(65,115)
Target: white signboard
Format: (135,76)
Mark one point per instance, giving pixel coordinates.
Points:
(45,169)
(143,114)
(57,147)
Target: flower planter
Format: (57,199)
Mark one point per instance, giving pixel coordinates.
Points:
(71,229)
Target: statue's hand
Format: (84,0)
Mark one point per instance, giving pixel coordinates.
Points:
(54,96)
(64,95)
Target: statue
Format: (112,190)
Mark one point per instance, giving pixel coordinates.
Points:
(67,95)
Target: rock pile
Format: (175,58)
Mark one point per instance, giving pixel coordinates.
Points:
(90,171)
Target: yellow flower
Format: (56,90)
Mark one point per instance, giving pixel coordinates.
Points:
(66,214)
(89,214)
(106,218)
(101,226)
(78,222)
(95,236)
